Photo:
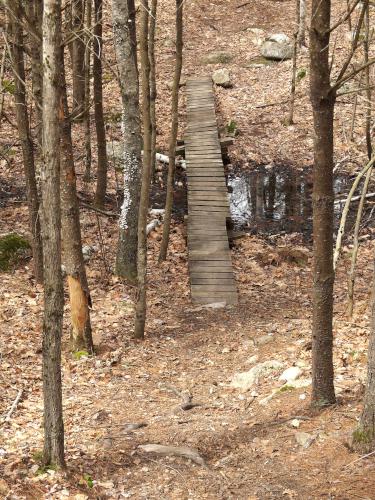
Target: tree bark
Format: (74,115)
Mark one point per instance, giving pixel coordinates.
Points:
(78,59)
(101,184)
(301,36)
(366,43)
(323,102)
(79,295)
(364,436)
(126,53)
(141,305)
(87,125)
(51,226)
(153,90)
(174,131)
(35,13)
(23,126)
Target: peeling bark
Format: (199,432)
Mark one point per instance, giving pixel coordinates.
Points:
(81,336)
(126,53)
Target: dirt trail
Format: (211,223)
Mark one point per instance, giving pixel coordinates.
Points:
(247,439)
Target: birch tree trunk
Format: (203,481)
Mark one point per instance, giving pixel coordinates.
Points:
(101,183)
(174,131)
(323,102)
(126,53)
(79,295)
(51,226)
(141,304)
(23,126)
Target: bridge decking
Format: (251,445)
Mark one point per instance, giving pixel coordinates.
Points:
(210,265)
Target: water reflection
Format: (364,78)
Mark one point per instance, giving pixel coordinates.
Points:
(275,200)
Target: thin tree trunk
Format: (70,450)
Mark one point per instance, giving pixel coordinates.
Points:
(323,102)
(366,43)
(79,295)
(35,12)
(364,436)
(174,131)
(301,35)
(88,38)
(351,281)
(153,90)
(141,305)
(126,53)
(290,119)
(22,118)
(51,226)
(78,59)
(101,184)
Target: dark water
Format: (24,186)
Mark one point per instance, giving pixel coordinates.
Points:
(278,200)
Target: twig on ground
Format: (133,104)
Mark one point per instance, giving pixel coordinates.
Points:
(14,406)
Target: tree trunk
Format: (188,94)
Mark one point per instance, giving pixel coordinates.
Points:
(101,185)
(78,59)
(141,305)
(126,53)
(364,436)
(88,151)
(174,131)
(79,295)
(323,102)
(301,36)
(153,92)
(23,126)
(51,226)
(366,43)
(35,12)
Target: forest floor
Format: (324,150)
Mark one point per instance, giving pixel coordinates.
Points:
(263,443)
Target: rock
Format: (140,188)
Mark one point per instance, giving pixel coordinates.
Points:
(304,439)
(264,339)
(217,57)
(253,359)
(278,47)
(245,380)
(291,374)
(221,77)
(87,252)
(295,423)
(299,384)
(258,35)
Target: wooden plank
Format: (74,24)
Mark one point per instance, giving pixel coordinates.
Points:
(210,264)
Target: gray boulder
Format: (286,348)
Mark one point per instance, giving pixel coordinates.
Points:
(221,77)
(278,47)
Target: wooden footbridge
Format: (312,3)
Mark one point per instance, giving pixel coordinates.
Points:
(210,265)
